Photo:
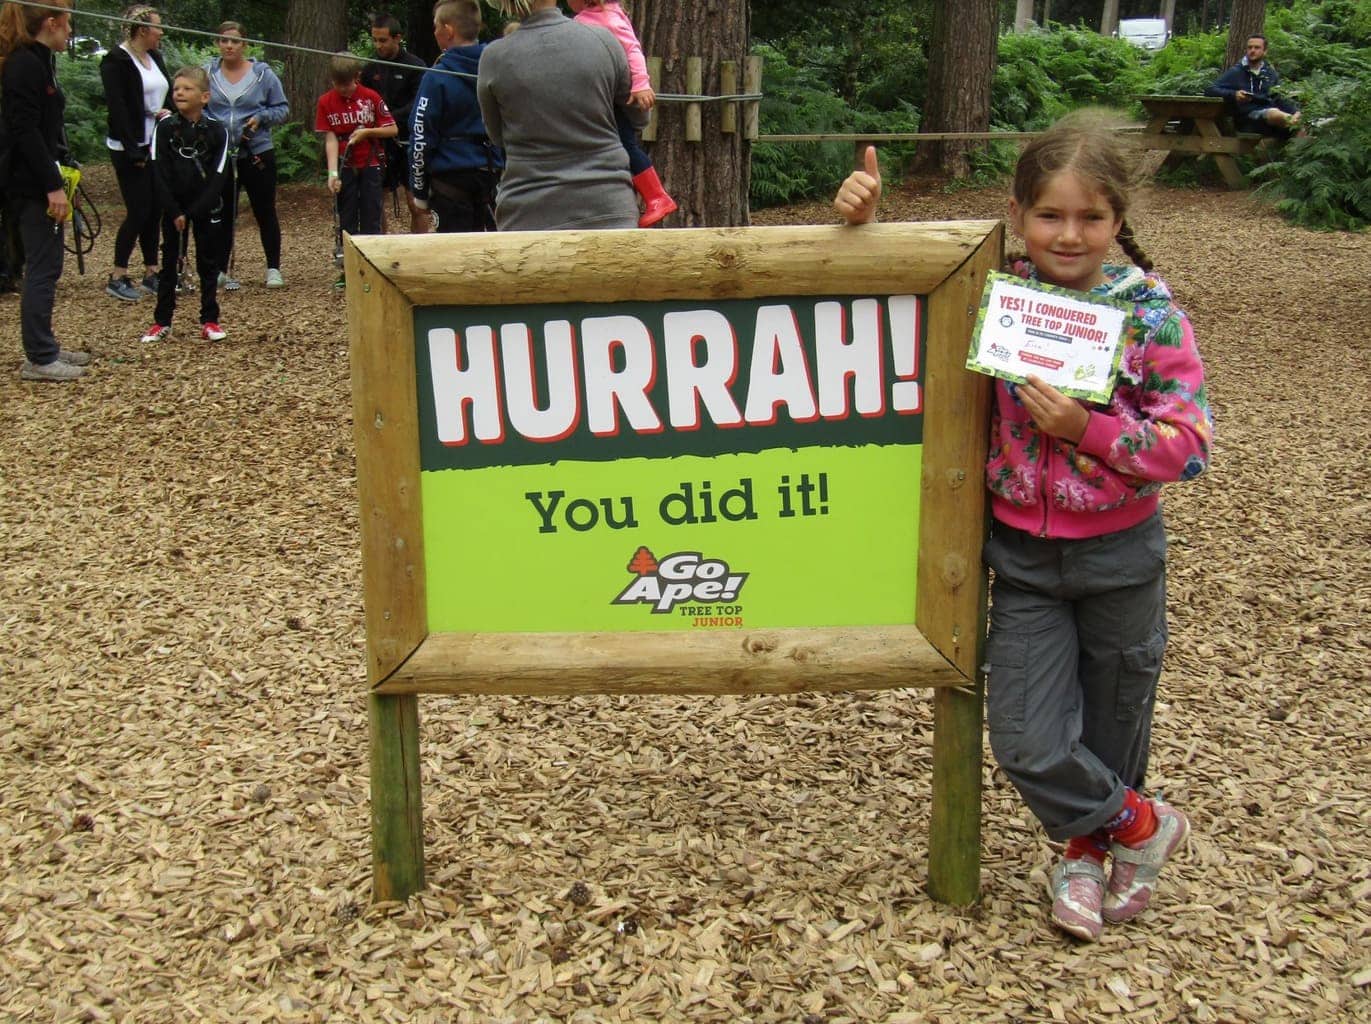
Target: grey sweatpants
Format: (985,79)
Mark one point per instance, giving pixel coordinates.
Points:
(1077,633)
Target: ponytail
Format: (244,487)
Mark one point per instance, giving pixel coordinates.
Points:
(20,24)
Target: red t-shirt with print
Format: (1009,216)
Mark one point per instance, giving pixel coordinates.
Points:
(363,109)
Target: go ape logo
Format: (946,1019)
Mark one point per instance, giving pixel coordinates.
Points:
(683,576)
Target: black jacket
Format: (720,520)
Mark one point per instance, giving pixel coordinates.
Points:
(32,105)
(1240,77)
(397,86)
(189,159)
(124,98)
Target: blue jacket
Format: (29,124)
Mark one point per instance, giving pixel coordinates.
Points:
(262,97)
(446,132)
(1241,76)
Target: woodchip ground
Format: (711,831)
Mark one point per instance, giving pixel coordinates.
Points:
(184,831)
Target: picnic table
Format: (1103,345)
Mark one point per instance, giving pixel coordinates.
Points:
(1197,126)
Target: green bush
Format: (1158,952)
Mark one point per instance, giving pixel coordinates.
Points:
(1187,65)
(85,117)
(798,101)
(1324,180)
(299,156)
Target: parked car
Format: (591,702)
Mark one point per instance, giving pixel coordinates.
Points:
(1148,33)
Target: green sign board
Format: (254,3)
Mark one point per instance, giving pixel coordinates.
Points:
(675,465)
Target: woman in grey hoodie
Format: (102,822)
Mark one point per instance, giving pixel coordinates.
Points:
(548,94)
(247,98)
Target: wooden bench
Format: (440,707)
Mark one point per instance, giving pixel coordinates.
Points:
(1197,126)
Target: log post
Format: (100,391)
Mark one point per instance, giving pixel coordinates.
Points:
(752,85)
(728,86)
(954,828)
(695,82)
(654,74)
(397,810)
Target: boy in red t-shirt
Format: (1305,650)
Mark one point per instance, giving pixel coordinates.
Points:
(357,115)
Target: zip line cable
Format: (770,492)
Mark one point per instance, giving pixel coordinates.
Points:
(268,44)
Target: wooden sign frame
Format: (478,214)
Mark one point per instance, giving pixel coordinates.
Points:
(388,276)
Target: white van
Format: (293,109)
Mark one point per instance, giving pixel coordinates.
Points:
(1149,33)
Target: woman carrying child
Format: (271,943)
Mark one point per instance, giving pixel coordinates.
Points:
(609,14)
(190,157)
(548,95)
(1078,616)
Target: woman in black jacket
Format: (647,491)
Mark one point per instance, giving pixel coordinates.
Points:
(31,105)
(136,88)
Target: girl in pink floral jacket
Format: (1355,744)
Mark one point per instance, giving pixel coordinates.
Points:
(1078,603)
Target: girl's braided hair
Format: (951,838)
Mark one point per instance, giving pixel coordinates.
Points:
(1086,143)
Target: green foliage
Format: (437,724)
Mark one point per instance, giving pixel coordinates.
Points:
(80,81)
(1324,180)
(299,155)
(186,52)
(1187,65)
(799,101)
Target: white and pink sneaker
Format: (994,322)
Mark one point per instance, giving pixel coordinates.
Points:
(1133,873)
(1077,889)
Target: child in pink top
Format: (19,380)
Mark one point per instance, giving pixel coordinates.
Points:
(609,14)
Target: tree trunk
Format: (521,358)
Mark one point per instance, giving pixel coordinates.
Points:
(419,30)
(1249,18)
(708,179)
(961,65)
(1169,15)
(1023,14)
(1109,20)
(321,24)
(1047,13)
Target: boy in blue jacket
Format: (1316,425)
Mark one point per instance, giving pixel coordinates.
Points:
(454,168)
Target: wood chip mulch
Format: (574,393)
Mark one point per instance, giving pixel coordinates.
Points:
(183,808)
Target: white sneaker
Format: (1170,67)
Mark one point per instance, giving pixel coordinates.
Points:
(229,284)
(274,278)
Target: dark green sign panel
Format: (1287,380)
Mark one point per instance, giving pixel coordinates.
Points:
(501,386)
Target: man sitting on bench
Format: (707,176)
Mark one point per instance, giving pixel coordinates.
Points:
(1247,87)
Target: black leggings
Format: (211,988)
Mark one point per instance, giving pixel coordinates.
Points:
(141,222)
(257,175)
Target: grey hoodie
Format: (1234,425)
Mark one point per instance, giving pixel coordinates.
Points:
(262,97)
(547,95)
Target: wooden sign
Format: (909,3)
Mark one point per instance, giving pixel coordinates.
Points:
(693,461)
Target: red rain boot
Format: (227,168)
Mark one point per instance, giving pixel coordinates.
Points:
(657,203)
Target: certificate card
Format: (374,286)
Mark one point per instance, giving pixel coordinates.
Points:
(1069,339)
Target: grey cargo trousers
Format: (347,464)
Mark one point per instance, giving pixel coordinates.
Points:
(1077,633)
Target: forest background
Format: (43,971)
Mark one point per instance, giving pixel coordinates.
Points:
(863,66)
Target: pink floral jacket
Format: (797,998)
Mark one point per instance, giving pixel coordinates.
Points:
(1156,428)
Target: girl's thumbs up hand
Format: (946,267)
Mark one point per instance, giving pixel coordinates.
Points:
(858,195)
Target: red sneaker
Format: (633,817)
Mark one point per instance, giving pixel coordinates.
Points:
(212,332)
(157,332)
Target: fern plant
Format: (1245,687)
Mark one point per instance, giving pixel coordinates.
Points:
(1324,180)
